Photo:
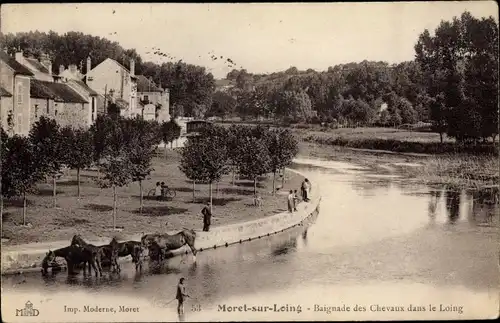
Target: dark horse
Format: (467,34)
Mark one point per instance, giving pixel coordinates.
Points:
(132,248)
(158,244)
(74,255)
(97,252)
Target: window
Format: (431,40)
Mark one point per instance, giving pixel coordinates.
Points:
(146,98)
(48,108)
(36,110)
(20,91)
(55,113)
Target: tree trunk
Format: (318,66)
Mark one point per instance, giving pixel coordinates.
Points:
(255,186)
(283,179)
(441,137)
(141,196)
(54,190)
(165,148)
(172,144)
(210,188)
(274,182)
(194,198)
(24,208)
(114,207)
(217,189)
(78,180)
(234,174)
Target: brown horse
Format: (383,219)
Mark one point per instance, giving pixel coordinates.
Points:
(74,255)
(164,242)
(132,248)
(97,253)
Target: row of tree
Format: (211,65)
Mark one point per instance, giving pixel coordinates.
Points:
(122,149)
(452,83)
(248,151)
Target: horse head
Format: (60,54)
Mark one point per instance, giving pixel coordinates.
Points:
(49,257)
(78,240)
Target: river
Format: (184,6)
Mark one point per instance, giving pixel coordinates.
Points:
(381,248)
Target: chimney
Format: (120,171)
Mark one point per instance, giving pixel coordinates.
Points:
(19,57)
(89,65)
(45,60)
(61,69)
(132,67)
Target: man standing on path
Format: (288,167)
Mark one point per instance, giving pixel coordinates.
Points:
(180,296)
(207,215)
(291,201)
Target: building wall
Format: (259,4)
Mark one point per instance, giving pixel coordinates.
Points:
(41,107)
(92,106)
(22,105)
(7,77)
(72,114)
(5,107)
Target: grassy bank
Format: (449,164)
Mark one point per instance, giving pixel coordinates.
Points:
(395,140)
(91,215)
(452,170)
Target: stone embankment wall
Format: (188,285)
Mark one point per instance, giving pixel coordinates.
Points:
(17,259)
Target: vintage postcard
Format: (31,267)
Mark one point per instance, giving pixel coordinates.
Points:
(249,161)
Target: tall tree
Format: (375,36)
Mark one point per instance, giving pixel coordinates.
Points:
(48,147)
(170,131)
(79,149)
(253,160)
(21,169)
(282,148)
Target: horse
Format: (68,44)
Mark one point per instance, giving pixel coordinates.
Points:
(132,248)
(164,242)
(97,252)
(73,255)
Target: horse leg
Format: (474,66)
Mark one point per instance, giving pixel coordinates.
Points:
(193,251)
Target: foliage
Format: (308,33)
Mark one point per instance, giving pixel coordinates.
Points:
(170,131)
(223,105)
(253,158)
(78,147)
(282,148)
(20,166)
(48,146)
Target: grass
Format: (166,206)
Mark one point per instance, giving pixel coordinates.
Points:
(91,215)
(451,170)
(395,140)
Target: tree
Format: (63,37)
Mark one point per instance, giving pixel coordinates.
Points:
(253,159)
(295,106)
(115,165)
(20,169)
(223,105)
(79,150)
(191,163)
(282,148)
(142,145)
(170,131)
(47,142)
(100,132)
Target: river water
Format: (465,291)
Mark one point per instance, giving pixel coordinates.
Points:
(381,248)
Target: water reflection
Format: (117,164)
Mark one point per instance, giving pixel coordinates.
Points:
(285,247)
(435,196)
(453,205)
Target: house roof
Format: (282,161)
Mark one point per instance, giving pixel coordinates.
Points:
(85,87)
(57,91)
(121,103)
(145,85)
(4,92)
(15,65)
(39,66)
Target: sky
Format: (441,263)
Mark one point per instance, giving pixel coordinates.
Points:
(262,38)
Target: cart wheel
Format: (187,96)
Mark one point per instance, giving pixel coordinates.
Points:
(171,193)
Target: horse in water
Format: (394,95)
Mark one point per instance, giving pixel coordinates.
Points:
(132,248)
(74,255)
(158,244)
(97,252)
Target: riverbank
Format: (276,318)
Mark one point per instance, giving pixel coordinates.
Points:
(453,171)
(91,214)
(28,257)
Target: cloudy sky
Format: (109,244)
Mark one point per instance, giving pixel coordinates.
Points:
(262,38)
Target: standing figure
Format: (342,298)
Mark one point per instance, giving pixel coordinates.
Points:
(180,296)
(291,201)
(303,190)
(295,200)
(308,189)
(158,191)
(207,215)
